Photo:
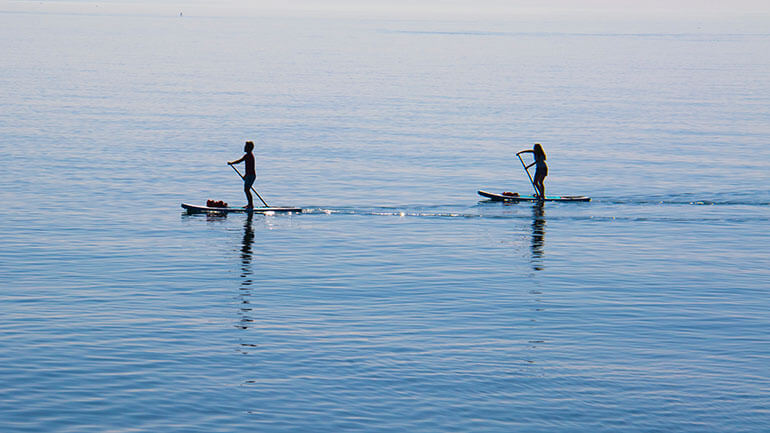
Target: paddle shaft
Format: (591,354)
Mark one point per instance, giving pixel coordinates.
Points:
(528,175)
(252,187)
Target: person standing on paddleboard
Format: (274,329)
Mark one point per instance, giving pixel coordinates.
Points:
(251,172)
(541,169)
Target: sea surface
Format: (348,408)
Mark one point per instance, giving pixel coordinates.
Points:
(399,300)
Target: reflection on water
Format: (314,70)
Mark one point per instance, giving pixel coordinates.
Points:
(538,235)
(248,239)
(246,272)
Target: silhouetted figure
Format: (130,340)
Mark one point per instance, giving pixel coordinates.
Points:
(251,171)
(541,169)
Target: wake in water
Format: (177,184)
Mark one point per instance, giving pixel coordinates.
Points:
(615,210)
(754,198)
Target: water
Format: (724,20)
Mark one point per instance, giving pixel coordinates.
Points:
(399,301)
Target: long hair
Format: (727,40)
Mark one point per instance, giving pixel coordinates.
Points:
(539,150)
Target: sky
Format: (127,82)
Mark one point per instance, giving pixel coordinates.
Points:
(401,7)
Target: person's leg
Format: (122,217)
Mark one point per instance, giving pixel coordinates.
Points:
(539,183)
(248,181)
(542,187)
(247,191)
(248,197)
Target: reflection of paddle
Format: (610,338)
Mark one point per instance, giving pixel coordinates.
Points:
(252,187)
(528,175)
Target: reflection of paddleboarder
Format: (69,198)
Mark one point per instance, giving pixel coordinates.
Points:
(251,172)
(246,274)
(538,235)
(541,169)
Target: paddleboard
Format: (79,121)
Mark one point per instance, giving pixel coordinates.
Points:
(501,197)
(191,208)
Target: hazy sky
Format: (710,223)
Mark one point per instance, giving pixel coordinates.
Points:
(405,7)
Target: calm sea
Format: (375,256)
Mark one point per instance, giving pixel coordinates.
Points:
(399,301)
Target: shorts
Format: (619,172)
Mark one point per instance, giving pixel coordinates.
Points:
(248,180)
(541,171)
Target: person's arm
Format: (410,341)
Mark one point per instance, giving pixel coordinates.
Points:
(237,161)
(527,151)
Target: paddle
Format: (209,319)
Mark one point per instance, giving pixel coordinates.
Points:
(252,188)
(528,175)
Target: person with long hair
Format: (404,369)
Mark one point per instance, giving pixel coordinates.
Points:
(541,169)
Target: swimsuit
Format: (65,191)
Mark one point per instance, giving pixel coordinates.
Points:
(248,180)
(540,166)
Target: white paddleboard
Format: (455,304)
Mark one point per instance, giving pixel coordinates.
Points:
(191,208)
